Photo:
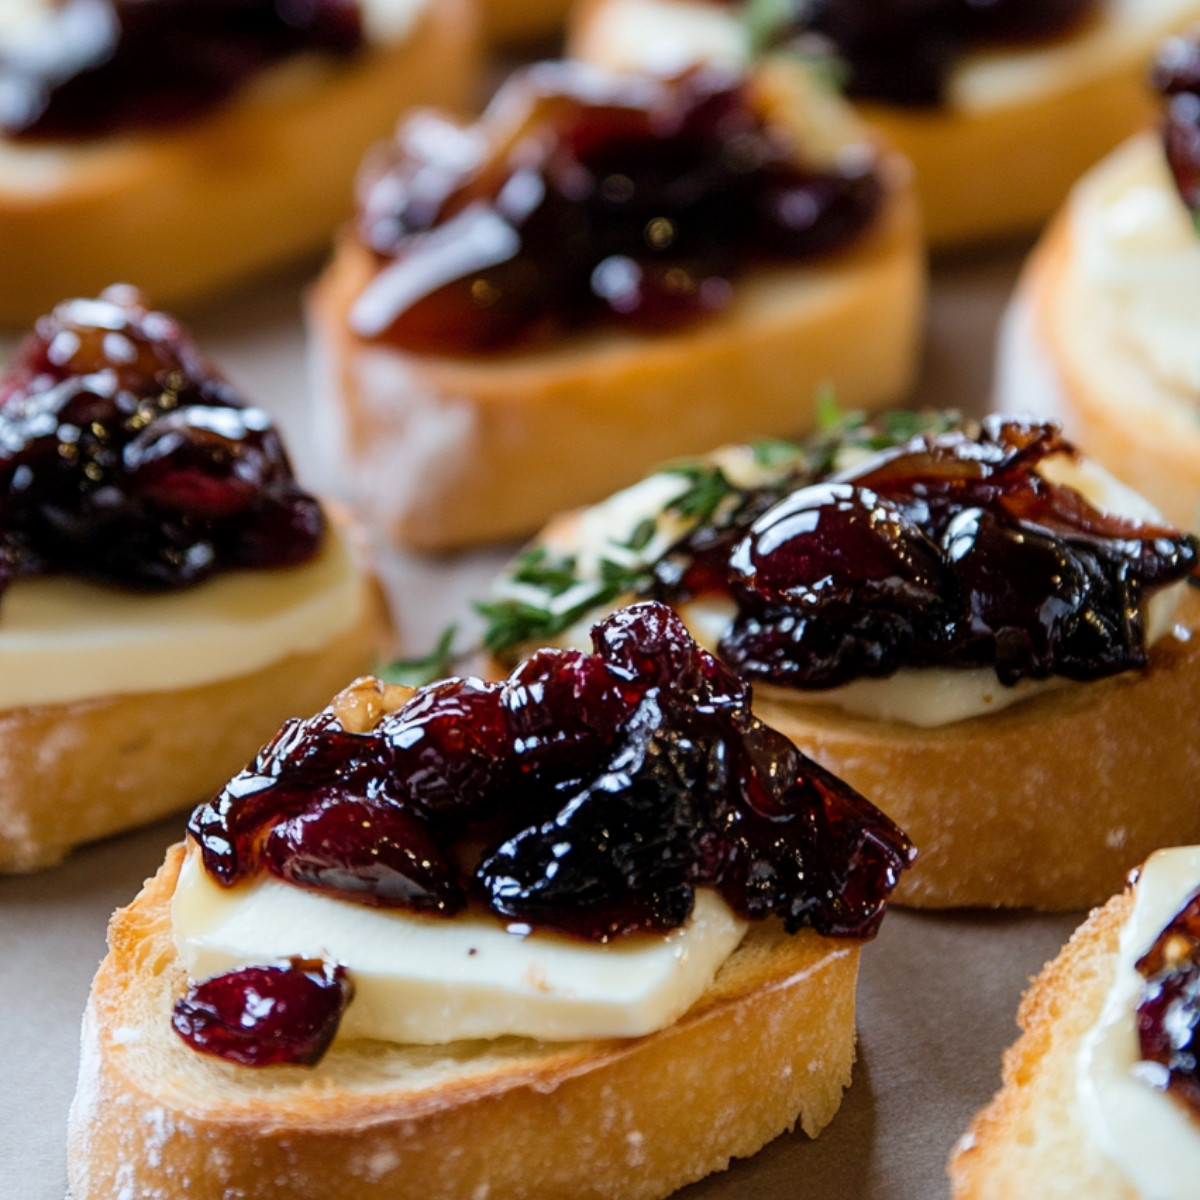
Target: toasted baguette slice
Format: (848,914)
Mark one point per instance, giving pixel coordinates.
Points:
(81,770)
(1029,1141)
(1063,353)
(772,1041)
(1046,804)
(444,452)
(261,180)
(1019,125)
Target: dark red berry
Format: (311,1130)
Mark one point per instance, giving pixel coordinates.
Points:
(452,748)
(372,851)
(950,551)
(587,793)
(266,1016)
(95,67)
(1168,1012)
(630,200)
(124,457)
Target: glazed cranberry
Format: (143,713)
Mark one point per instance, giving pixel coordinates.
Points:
(1176,75)
(904,51)
(588,794)
(834,542)
(305,763)
(1037,606)
(208,462)
(616,858)
(805,848)
(950,551)
(126,458)
(452,747)
(371,851)
(583,196)
(265,1016)
(1168,1013)
(94,67)
(563,709)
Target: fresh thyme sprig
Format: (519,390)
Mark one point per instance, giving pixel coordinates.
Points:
(548,592)
(440,662)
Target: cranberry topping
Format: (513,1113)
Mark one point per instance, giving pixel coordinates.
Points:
(1168,1014)
(583,196)
(903,51)
(594,793)
(124,457)
(266,1016)
(93,67)
(949,551)
(1176,74)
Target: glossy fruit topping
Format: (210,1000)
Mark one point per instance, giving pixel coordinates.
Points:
(265,1016)
(904,51)
(124,457)
(85,68)
(583,196)
(1176,74)
(588,794)
(950,551)
(1168,1014)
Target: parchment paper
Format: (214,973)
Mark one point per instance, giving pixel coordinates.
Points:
(938,994)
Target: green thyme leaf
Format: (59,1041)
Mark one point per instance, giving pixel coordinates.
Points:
(416,672)
(829,416)
(771,452)
(536,568)
(642,535)
(709,486)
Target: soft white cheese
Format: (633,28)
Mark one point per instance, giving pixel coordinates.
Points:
(1136,273)
(1130,1119)
(63,639)
(429,980)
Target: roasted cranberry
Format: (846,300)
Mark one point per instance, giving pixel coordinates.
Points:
(372,851)
(265,1016)
(588,794)
(836,543)
(950,551)
(563,709)
(209,462)
(584,196)
(1036,606)
(805,849)
(452,747)
(903,51)
(305,763)
(1176,74)
(125,457)
(1168,1013)
(92,67)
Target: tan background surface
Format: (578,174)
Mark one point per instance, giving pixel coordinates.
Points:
(938,994)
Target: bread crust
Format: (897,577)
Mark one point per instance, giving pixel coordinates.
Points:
(1148,439)
(262,180)
(1002,172)
(445,452)
(77,771)
(1107,769)
(1029,1141)
(637,1118)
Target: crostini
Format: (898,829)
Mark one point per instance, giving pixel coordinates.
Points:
(169,592)
(379,971)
